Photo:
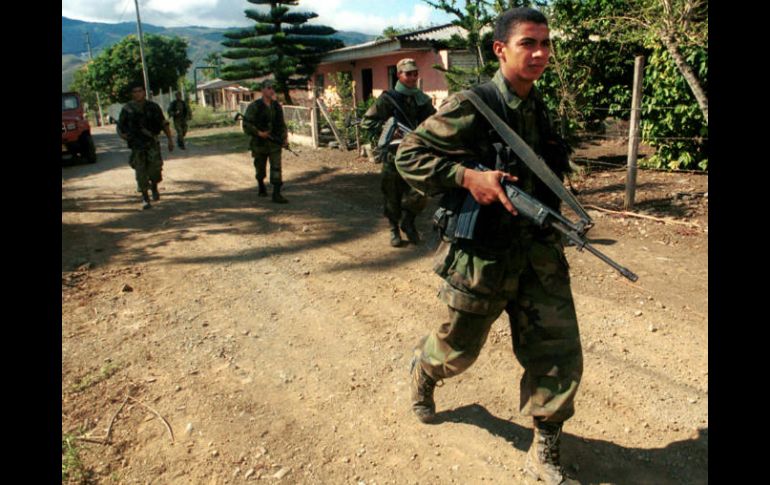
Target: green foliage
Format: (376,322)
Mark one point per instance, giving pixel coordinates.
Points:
(279,44)
(669,110)
(206,117)
(106,371)
(119,65)
(72,468)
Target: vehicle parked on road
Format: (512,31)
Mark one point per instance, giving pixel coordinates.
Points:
(76,139)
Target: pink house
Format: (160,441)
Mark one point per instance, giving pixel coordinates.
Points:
(373,64)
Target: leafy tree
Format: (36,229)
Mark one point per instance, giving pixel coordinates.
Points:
(119,65)
(280,44)
(212,59)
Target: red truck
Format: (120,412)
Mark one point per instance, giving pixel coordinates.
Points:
(76,137)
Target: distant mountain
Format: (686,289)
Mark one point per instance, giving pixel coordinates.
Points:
(202,41)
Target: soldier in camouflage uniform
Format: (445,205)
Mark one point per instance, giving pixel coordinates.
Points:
(263,120)
(140,122)
(510,264)
(180,112)
(402,203)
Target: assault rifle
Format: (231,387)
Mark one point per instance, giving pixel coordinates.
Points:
(273,139)
(540,214)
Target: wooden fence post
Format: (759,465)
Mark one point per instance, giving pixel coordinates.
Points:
(353,115)
(314,126)
(633,133)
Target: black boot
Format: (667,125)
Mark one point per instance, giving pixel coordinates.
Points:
(146,201)
(543,462)
(407,225)
(422,386)
(277,197)
(395,236)
(154,188)
(262,189)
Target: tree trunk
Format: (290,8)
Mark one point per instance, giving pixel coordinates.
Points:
(688,74)
(287,97)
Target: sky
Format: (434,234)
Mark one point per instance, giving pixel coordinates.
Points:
(366,16)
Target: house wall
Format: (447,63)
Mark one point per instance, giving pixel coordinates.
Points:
(432,81)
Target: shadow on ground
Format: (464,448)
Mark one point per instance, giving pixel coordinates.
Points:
(678,463)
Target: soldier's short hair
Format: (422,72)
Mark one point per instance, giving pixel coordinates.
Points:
(509,19)
(135,84)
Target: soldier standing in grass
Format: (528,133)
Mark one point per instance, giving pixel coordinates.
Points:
(263,120)
(509,264)
(140,122)
(407,104)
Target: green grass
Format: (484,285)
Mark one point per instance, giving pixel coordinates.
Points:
(206,117)
(104,373)
(72,468)
(234,140)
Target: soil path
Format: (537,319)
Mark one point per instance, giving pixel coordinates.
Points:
(275,340)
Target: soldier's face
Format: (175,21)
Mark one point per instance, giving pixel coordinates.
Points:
(525,55)
(409,79)
(138,94)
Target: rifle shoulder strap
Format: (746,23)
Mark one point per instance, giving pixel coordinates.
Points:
(388,96)
(527,155)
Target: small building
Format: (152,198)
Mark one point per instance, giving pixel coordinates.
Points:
(372,65)
(223,95)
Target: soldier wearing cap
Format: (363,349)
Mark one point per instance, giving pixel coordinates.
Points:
(263,120)
(509,264)
(409,106)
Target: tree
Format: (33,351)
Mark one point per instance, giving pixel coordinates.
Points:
(213,59)
(119,65)
(280,44)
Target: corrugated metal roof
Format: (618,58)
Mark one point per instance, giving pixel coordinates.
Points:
(432,34)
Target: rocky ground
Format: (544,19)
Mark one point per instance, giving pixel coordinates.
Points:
(221,339)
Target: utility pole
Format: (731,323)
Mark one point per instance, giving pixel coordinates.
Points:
(98,101)
(141,51)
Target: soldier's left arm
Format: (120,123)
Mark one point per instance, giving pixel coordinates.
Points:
(280,125)
(429,158)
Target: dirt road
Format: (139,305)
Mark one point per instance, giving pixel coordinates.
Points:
(275,340)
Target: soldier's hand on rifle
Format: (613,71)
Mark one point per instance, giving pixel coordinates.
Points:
(486,189)
(263,134)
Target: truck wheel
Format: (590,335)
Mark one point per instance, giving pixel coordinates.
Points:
(87,148)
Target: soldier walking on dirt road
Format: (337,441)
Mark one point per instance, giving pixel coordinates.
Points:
(263,120)
(510,264)
(140,123)
(180,112)
(408,105)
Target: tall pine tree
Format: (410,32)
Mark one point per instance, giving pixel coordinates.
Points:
(281,44)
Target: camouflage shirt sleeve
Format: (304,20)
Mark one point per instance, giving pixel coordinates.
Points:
(249,120)
(429,157)
(375,116)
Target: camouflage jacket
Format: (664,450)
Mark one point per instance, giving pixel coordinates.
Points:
(179,110)
(141,123)
(417,109)
(432,159)
(261,117)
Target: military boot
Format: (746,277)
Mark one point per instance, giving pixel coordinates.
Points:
(262,189)
(146,201)
(422,388)
(407,225)
(395,236)
(543,456)
(277,197)
(155,193)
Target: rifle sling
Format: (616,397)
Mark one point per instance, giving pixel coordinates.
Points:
(390,98)
(527,155)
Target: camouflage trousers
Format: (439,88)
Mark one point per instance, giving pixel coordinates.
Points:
(399,196)
(148,166)
(180,126)
(531,283)
(261,155)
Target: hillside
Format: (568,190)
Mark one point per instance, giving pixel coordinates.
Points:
(202,41)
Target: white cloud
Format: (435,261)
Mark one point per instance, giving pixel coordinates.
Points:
(351,15)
